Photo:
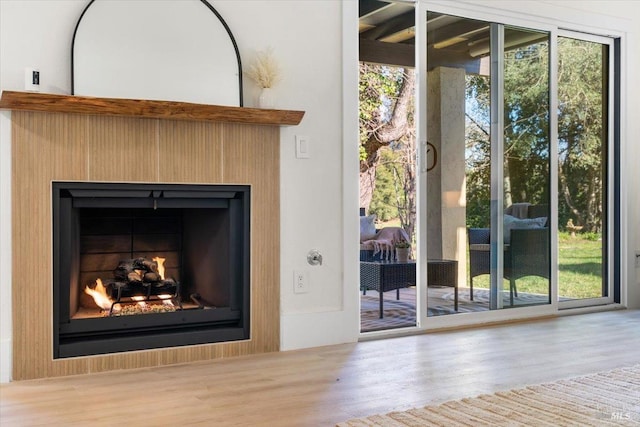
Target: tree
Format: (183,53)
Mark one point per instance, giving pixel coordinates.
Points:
(386,121)
(478,151)
(527,134)
(526,124)
(581,132)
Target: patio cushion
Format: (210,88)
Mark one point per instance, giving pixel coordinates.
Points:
(511,222)
(367,227)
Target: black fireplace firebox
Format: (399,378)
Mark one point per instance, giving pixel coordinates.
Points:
(144,266)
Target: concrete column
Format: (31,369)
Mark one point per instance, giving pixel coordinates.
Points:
(446,193)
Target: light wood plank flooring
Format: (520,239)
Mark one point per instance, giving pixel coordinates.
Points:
(322,386)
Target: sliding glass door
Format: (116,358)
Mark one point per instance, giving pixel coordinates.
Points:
(513,131)
(584,169)
(487,201)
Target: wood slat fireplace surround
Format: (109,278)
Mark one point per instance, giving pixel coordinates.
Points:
(70,138)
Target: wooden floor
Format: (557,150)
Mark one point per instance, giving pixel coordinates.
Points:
(322,386)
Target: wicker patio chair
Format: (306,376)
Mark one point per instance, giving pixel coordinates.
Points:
(479,254)
(526,255)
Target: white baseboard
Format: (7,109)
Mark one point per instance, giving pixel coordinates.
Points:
(5,361)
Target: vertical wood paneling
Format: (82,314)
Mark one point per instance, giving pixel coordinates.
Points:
(128,360)
(254,152)
(190,152)
(123,149)
(186,354)
(45,147)
(50,147)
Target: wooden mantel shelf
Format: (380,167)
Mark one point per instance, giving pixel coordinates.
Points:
(34,101)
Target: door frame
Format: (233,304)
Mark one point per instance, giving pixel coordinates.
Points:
(610,189)
(350,163)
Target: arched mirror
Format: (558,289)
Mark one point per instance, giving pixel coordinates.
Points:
(172,50)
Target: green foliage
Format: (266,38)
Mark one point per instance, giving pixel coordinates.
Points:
(383,202)
(581,131)
(593,237)
(389,196)
(478,151)
(527,133)
(378,87)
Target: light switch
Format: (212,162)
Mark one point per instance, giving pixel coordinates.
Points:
(32,79)
(302,147)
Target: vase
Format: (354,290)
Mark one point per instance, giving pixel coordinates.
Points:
(266,98)
(402,254)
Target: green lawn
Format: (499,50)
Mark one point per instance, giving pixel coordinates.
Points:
(580,265)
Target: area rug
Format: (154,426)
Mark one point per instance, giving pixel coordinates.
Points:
(397,314)
(609,398)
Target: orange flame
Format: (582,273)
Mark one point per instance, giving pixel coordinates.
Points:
(160,262)
(166,299)
(99,295)
(140,300)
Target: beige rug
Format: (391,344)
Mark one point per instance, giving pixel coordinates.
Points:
(609,398)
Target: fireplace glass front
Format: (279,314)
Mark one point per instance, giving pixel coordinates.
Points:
(143,266)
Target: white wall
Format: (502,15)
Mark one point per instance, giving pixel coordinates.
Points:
(306,36)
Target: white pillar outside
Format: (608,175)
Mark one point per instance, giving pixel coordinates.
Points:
(446,192)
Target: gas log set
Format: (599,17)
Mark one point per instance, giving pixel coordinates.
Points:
(138,286)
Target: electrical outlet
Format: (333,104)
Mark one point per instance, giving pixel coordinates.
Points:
(300,282)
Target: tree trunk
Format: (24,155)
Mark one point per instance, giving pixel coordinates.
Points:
(566,193)
(367,187)
(396,128)
(591,222)
(409,188)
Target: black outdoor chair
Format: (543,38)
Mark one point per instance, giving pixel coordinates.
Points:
(527,254)
(479,254)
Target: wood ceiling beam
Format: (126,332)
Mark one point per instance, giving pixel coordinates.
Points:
(392,26)
(455,30)
(396,54)
(403,55)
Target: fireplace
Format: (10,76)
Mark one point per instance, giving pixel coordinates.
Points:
(144,266)
(57,138)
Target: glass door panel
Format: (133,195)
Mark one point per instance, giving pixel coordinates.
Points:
(488,101)
(526,170)
(457,169)
(583,102)
(387,146)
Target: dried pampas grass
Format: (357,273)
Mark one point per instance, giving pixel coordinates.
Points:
(264,71)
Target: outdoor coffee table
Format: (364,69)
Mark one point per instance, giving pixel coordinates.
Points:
(383,276)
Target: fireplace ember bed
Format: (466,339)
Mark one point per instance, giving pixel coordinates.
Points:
(144,266)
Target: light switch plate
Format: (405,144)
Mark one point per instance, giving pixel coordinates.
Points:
(302,147)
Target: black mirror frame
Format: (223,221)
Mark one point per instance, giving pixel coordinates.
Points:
(205,3)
